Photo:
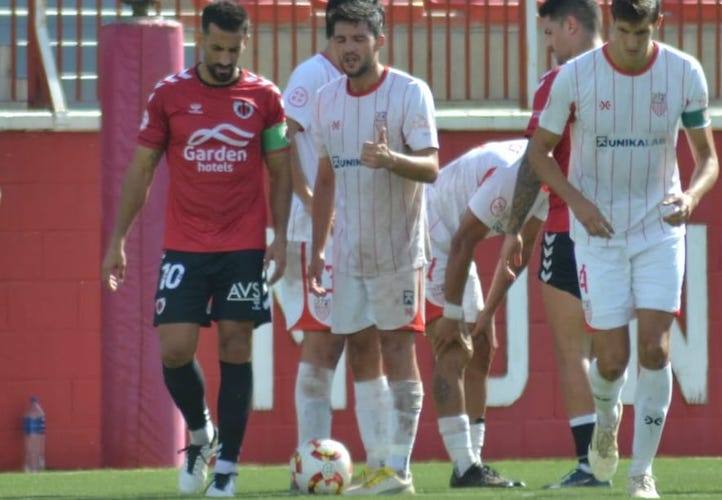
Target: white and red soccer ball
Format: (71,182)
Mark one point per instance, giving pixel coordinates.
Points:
(321,467)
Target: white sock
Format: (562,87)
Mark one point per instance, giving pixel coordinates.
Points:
(225,467)
(606,395)
(373,403)
(407,398)
(651,402)
(313,402)
(204,435)
(477,430)
(455,434)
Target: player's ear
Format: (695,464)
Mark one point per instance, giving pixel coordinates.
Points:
(380,41)
(658,24)
(571,24)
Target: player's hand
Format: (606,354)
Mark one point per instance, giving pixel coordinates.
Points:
(591,218)
(510,254)
(449,332)
(377,154)
(315,271)
(679,208)
(484,327)
(114,266)
(275,252)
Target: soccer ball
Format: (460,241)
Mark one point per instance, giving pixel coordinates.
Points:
(321,466)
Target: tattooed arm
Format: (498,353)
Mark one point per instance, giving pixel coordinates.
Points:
(525,192)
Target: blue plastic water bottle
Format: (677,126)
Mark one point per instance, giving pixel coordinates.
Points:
(34,431)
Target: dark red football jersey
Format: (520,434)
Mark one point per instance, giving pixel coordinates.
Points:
(558,218)
(212,137)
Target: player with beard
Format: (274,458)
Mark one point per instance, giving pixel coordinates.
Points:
(217,124)
(376,138)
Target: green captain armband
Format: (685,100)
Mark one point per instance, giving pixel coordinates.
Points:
(695,119)
(274,138)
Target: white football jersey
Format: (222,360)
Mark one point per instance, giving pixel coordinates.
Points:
(482,180)
(298,99)
(624,136)
(380,220)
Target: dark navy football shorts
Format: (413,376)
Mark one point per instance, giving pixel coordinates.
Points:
(558,266)
(197,287)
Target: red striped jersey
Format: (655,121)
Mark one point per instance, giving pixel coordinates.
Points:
(380,224)
(624,136)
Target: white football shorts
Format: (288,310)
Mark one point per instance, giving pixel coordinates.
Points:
(389,302)
(616,281)
(302,309)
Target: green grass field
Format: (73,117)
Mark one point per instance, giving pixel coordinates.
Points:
(676,478)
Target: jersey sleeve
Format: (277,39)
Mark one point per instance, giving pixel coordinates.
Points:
(300,92)
(419,126)
(540,209)
(560,103)
(153,131)
(274,133)
(317,128)
(478,204)
(541,95)
(694,114)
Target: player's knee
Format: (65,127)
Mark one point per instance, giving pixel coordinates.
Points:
(611,368)
(323,353)
(483,353)
(176,355)
(452,361)
(235,349)
(653,355)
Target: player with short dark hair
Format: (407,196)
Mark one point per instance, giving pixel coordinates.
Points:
(571,27)
(217,124)
(320,351)
(629,213)
(376,138)
(466,205)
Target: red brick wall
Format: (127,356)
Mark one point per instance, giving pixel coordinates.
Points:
(50,335)
(49,293)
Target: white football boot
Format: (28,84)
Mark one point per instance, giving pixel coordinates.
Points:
(603,452)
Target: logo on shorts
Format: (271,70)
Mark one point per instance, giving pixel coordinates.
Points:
(583,279)
(160,306)
(242,108)
(251,291)
(322,307)
(408,300)
(498,205)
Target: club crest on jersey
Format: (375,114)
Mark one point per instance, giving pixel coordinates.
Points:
(298,97)
(498,205)
(659,103)
(196,108)
(242,108)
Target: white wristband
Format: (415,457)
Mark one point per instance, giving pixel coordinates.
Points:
(453,311)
